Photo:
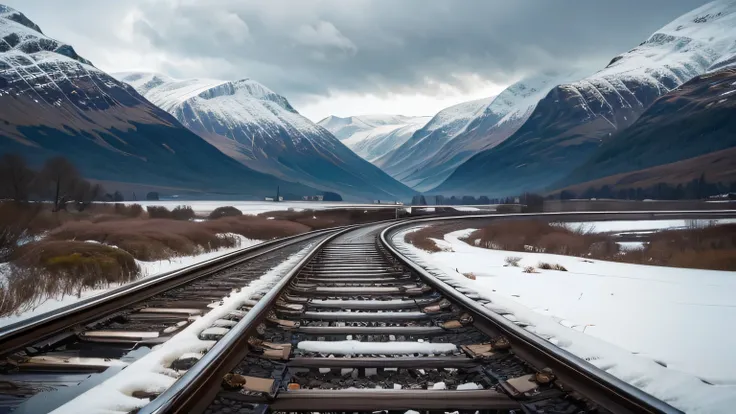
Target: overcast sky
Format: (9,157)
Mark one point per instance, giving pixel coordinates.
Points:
(352,57)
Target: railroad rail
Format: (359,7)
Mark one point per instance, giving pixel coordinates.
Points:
(82,344)
(354,315)
(358,327)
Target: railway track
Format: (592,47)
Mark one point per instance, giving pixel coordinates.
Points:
(353,327)
(50,359)
(358,328)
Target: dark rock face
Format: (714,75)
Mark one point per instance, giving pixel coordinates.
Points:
(696,119)
(53,102)
(564,129)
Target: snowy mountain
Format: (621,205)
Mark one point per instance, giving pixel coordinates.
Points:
(682,129)
(372,136)
(426,141)
(501,118)
(573,120)
(54,102)
(260,129)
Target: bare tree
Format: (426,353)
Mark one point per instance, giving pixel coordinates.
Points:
(85,193)
(59,178)
(16,178)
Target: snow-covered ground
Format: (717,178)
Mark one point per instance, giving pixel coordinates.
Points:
(148,269)
(255,207)
(152,372)
(664,330)
(642,225)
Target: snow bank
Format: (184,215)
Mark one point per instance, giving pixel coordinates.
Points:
(638,225)
(151,373)
(664,330)
(375,348)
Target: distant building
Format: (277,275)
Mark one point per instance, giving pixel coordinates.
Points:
(269,198)
(314,198)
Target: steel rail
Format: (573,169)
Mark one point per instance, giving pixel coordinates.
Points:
(27,332)
(600,386)
(194,390)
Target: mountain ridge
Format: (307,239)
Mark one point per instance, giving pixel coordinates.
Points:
(54,102)
(574,119)
(260,129)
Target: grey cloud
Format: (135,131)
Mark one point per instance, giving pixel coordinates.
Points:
(308,48)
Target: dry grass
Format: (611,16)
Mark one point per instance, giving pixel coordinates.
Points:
(178,213)
(53,268)
(701,246)
(321,219)
(530,269)
(422,238)
(548,266)
(254,227)
(65,261)
(512,261)
(153,239)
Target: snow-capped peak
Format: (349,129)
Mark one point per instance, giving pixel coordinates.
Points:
(455,119)
(696,42)
(18,17)
(168,92)
(346,128)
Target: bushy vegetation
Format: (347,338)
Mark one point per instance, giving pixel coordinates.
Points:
(227,211)
(702,245)
(53,268)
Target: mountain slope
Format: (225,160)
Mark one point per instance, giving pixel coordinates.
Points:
(260,129)
(54,102)
(697,118)
(372,136)
(501,118)
(572,121)
(425,142)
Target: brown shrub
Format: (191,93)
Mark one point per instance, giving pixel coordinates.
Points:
(49,268)
(530,269)
(701,245)
(158,212)
(544,266)
(512,261)
(321,219)
(153,239)
(227,211)
(182,213)
(15,220)
(254,227)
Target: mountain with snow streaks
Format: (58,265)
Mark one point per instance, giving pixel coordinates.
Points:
(684,128)
(574,119)
(372,136)
(501,118)
(54,102)
(426,141)
(260,129)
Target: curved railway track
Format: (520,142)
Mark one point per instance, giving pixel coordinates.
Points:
(354,326)
(76,347)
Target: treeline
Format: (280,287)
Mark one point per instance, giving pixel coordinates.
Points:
(440,200)
(58,180)
(697,189)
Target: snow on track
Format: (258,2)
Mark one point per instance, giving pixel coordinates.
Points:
(151,373)
(352,347)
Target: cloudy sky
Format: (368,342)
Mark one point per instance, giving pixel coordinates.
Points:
(351,57)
